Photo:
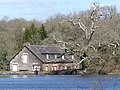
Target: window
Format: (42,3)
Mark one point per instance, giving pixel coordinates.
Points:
(75,67)
(25,58)
(55,56)
(47,56)
(52,67)
(46,68)
(61,67)
(63,57)
(55,68)
(65,67)
(36,68)
(72,56)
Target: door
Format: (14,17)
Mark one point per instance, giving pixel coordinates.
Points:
(15,67)
(36,68)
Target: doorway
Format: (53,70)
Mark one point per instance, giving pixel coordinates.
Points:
(15,67)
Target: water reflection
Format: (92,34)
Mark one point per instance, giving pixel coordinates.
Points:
(19,76)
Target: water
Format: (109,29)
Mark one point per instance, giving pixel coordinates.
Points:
(60,82)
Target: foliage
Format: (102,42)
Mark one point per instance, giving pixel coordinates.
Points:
(34,35)
(4,63)
(85,64)
(104,48)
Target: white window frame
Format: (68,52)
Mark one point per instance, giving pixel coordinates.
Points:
(47,56)
(16,65)
(63,57)
(25,59)
(65,67)
(52,68)
(55,68)
(55,56)
(72,56)
(75,67)
(46,68)
(36,67)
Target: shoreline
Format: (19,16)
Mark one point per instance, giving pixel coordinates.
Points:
(113,74)
(48,73)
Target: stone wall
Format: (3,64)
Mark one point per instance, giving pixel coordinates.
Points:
(60,66)
(25,66)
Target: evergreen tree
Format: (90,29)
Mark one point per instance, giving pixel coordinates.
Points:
(43,32)
(4,63)
(34,35)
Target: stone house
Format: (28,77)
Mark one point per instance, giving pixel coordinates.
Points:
(42,58)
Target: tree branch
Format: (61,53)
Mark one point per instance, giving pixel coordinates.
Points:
(59,41)
(83,60)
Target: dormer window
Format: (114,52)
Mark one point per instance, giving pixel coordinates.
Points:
(25,58)
(47,56)
(72,56)
(55,56)
(63,57)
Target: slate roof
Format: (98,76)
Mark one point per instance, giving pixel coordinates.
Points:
(46,49)
(40,50)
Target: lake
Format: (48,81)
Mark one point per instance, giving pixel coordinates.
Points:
(60,82)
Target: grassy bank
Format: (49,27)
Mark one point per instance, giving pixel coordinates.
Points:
(115,72)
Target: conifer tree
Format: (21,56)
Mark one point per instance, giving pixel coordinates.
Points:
(4,63)
(34,35)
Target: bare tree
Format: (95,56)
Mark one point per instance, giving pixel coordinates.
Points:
(88,32)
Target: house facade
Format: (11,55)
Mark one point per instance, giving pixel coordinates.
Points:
(42,58)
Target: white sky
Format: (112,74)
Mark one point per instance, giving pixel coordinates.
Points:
(43,9)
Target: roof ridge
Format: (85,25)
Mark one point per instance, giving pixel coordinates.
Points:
(45,45)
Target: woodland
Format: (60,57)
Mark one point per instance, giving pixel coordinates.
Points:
(92,35)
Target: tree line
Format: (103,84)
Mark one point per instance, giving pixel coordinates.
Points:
(93,36)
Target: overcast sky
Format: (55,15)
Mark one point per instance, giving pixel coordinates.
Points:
(43,9)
